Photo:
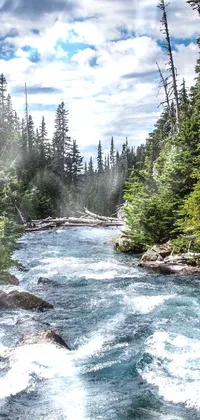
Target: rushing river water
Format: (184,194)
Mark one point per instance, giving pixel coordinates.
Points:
(134,335)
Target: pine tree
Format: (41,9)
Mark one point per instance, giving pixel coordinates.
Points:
(99,158)
(184,102)
(61,144)
(31,135)
(43,143)
(90,167)
(77,163)
(112,153)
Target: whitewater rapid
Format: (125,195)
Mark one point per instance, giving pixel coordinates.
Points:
(134,335)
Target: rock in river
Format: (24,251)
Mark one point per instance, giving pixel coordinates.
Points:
(23,300)
(7,278)
(44,337)
(157,253)
(159,258)
(123,243)
(166,268)
(46,281)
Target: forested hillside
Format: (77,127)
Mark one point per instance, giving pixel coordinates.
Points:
(163,197)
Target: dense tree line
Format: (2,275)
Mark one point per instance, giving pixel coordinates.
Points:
(42,177)
(163,196)
(51,177)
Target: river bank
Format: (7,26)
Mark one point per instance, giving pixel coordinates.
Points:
(160,258)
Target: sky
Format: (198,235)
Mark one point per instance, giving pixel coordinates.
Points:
(99,57)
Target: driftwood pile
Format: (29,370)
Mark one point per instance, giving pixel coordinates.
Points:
(86,219)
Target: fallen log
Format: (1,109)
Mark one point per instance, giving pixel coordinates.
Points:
(67,224)
(87,219)
(97,216)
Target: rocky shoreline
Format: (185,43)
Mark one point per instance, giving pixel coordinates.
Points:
(161,258)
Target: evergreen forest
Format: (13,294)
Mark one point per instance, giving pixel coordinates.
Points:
(162,198)
(157,182)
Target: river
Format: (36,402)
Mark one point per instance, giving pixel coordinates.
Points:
(134,335)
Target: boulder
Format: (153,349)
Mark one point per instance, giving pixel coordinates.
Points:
(151,255)
(157,252)
(163,250)
(187,258)
(124,244)
(23,300)
(46,281)
(7,278)
(21,267)
(167,268)
(112,241)
(44,337)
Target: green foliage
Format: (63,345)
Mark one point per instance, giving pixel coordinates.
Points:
(162,199)
(189,220)
(149,214)
(9,232)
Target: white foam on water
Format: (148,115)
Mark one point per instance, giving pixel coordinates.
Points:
(46,361)
(100,366)
(145,304)
(175,369)
(42,360)
(92,346)
(102,339)
(101,276)
(80,267)
(2,347)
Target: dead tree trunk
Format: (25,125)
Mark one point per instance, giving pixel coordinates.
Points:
(171,69)
(165,85)
(195,4)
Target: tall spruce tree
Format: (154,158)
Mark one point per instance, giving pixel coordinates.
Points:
(112,153)
(99,158)
(61,143)
(42,150)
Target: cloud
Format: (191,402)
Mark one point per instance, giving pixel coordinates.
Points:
(35,9)
(97,57)
(136,75)
(36,90)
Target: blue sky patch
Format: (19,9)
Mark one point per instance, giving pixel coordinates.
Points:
(90,149)
(7,51)
(42,107)
(34,55)
(124,34)
(72,48)
(176,41)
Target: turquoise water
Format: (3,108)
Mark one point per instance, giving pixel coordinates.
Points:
(134,335)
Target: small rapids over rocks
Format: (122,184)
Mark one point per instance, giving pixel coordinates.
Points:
(134,335)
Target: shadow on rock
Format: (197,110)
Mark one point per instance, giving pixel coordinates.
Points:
(40,337)
(23,300)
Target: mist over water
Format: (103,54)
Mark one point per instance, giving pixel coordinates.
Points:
(134,335)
